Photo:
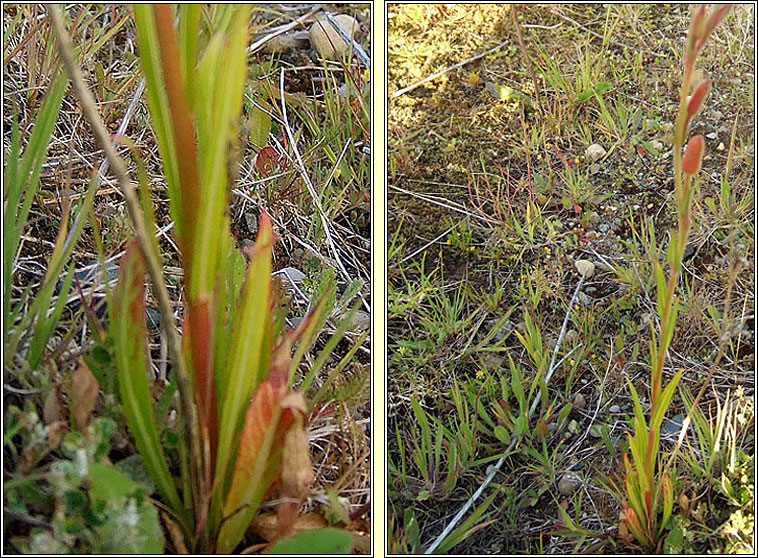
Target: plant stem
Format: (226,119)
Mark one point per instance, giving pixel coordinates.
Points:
(152,262)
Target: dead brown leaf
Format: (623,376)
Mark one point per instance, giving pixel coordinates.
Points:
(265,525)
(82,396)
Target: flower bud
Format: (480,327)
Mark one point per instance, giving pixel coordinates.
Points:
(695,102)
(696,28)
(693,155)
(714,19)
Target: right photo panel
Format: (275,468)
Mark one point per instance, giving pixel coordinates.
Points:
(570,279)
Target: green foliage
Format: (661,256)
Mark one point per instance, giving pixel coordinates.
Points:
(100,509)
(318,541)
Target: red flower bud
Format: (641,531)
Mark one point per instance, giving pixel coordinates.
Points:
(696,28)
(695,102)
(693,155)
(711,24)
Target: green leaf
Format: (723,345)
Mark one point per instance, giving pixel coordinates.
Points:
(599,89)
(130,336)
(521,426)
(108,483)
(260,127)
(132,527)
(467,527)
(502,434)
(504,93)
(248,361)
(147,37)
(318,541)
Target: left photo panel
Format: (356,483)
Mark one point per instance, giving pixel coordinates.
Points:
(187,240)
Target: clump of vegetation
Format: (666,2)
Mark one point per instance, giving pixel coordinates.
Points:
(227,430)
(510,162)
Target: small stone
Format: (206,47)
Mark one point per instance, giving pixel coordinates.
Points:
(614,409)
(591,290)
(573,426)
(152,318)
(585,267)
(712,135)
(594,152)
(594,168)
(583,298)
(290,274)
(603,227)
(657,145)
(721,146)
(594,217)
(571,336)
(361,321)
(580,403)
(569,483)
(595,431)
(672,426)
(327,41)
(287,41)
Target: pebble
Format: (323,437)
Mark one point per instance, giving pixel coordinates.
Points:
(585,267)
(569,483)
(580,403)
(595,431)
(573,426)
(672,426)
(721,146)
(603,227)
(583,298)
(291,274)
(594,168)
(711,135)
(614,409)
(361,321)
(594,152)
(287,41)
(327,41)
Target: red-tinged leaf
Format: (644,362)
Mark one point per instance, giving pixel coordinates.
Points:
(248,361)
(82,396)
(129,334)
(577,208)
(267,161)
(258,461)
(281,360)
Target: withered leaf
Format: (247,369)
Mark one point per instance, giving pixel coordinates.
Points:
(82,396)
